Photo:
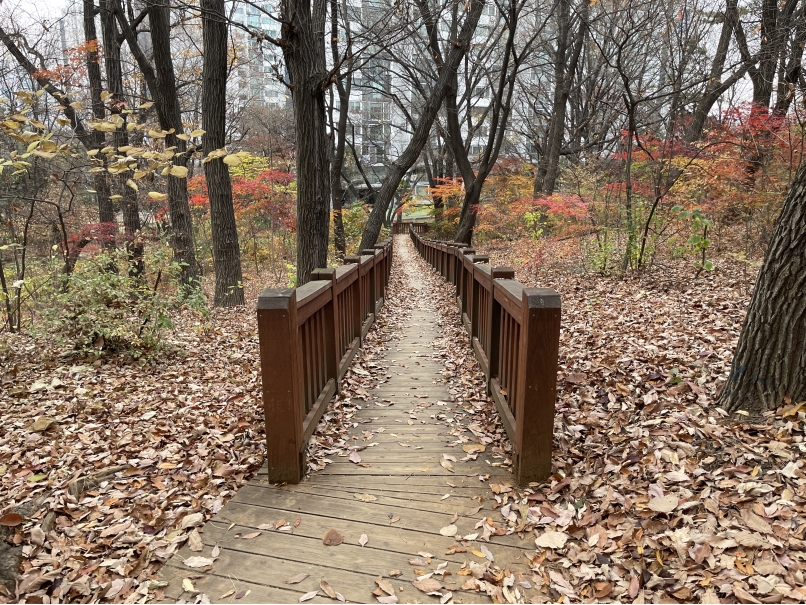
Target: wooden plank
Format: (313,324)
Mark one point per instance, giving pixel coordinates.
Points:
(383,535)
(215,585)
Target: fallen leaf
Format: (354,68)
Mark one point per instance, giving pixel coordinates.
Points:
(362,540)
(551,539)
(11,520)
(197,562)
(355,457)
(332,538)
(254,534)
(427,585)
(665,504)
(446,465)
(187,585)
(297,578)
(195,542)
(308,596)
(385,585)
(327,588)
(449,531)
(42,424)
(191,520)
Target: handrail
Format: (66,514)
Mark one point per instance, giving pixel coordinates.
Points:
(515,334)
(308,338)
(403,227)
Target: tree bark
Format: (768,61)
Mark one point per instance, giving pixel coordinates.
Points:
(303,44)
(397,170)
(339,131)
(120,138)
(769,363)
(226,251)
(106,210)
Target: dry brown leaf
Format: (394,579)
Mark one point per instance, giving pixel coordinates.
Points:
(297,578)
(332,538)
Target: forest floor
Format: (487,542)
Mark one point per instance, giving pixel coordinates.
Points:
(655,496)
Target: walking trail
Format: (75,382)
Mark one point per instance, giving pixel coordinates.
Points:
(407,488)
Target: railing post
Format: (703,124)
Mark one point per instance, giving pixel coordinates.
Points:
(539,349)
(331,325)
(373,281)
(281,371)
(382,268)
(358,318)
(462,281)
(475,309)
(495,321)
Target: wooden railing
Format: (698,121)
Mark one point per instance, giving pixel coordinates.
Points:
(515,334)
(308,337)
(403,228)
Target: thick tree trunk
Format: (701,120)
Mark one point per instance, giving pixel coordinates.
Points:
(106,210)
(120,138)
(769,364)
(170,116)
(226,251)
(397,170)
(304,51)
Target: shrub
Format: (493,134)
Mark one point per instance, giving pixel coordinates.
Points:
(102,304)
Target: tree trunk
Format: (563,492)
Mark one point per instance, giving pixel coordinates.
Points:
(161,82)
(226,251)
(769,364)
(397,170)
(106,210)
(340,133)
(715,87)
(120,138)
(303,45)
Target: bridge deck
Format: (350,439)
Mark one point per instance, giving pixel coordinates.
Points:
(400,501)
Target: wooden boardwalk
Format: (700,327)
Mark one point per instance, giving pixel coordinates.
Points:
(400,501)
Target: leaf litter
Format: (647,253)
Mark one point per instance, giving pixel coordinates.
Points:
(657,495)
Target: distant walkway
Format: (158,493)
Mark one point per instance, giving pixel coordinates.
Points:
(400,501)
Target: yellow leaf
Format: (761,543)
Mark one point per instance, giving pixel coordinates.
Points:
(157,196)
(179,172)
(77,105)
(232,160)
(146,105)
(198,132)
(184,137)
(132,184)
(115,198)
